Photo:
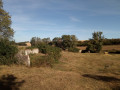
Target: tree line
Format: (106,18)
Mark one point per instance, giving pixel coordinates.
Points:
(105,42)
(64,42)
(51,48)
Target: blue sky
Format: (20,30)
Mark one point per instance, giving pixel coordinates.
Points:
(53,18)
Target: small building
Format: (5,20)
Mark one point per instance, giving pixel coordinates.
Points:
(28,44)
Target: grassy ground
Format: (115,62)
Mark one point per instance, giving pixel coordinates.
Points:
(75,71)
(110,47)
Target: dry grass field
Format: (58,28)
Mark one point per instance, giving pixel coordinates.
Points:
(75,71)
(110,47)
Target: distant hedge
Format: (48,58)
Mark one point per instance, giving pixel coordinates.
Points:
(105,42)
(111,42)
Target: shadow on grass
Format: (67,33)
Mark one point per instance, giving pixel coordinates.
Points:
(101,78)
(115,81)
(117,52)
(113,51)
(8,82)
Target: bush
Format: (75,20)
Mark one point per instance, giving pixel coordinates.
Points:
(95,47)
(52,55)
(43,48)
(73,49)
(95,44)
(7,52)
(69,41)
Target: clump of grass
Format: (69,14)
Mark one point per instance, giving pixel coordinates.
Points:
(73,50)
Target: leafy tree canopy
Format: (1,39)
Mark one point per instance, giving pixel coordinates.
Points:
(6,32)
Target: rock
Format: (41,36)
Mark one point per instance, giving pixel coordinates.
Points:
(23,59)
(80,51)
(33,51)
(106,53)
(23,56)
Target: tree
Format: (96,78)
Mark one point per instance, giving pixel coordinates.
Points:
(46,40)
(7,47)
(35,41)
(69,41)
(6,32)
(7,52)
(95,44)
(57,41)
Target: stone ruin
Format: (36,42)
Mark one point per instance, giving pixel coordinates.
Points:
(31,51)
(23,56)
(80,51)
(23,59)
(106,52)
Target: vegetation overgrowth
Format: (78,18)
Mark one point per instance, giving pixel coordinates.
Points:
(105,42)
(52,55)
(75,71)
(7,52)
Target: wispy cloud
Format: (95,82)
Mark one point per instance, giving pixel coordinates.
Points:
(74,19)
(62,16)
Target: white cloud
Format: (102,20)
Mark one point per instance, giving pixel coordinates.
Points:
(74,19)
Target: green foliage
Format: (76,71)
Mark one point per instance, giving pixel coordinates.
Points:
(57,41)
(6,31)
(65,42)
(73,49)
(111,42)
(35,41)
(43,48)
(105,42)
(46,40)
(7,52)
(83,43)
(52,54)
(95,44)
(69,41)
(50,50)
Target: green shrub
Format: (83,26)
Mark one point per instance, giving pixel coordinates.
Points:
(52,55)
(95,44)
(73,50)
(94,47)
(7,52)
(43,48)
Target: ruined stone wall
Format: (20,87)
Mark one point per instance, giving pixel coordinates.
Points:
(33,51)
(23,56)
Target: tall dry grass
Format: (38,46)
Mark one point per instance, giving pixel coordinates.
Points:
(75,71)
